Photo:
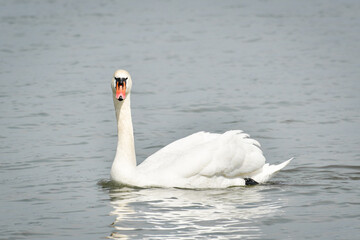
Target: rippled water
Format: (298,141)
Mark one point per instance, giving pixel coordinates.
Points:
(286,72)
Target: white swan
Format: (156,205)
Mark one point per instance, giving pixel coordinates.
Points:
(201,160)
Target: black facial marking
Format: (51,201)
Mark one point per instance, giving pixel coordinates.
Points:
(121,81)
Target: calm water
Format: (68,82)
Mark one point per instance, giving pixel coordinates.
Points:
(286,72)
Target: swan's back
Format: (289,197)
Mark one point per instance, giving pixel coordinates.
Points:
(207,156)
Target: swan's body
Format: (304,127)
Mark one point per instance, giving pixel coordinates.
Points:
(201,160)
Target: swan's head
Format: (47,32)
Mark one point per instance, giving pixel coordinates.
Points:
(121,84)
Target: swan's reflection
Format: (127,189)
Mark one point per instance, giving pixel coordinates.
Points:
(169,213)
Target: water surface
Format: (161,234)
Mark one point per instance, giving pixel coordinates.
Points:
(286,72)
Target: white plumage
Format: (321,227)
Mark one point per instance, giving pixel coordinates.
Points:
(201,160)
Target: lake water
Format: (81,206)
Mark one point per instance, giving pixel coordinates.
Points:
(286,72)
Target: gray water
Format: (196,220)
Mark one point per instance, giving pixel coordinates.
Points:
(286,72)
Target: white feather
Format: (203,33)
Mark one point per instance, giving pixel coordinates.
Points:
(201,160)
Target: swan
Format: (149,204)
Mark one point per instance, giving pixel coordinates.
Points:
(200,160)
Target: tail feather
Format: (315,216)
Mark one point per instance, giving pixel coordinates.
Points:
(268,171)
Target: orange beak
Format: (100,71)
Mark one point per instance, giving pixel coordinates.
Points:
(120,91)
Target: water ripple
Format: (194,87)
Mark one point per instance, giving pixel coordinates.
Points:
(181,213)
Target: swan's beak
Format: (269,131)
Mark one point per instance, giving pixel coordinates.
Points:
(120,90)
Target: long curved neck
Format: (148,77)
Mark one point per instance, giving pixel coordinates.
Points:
(125,159)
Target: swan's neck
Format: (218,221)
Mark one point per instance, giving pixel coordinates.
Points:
(125,159)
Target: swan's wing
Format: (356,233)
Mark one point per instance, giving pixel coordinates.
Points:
(170,152)
(232,154)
